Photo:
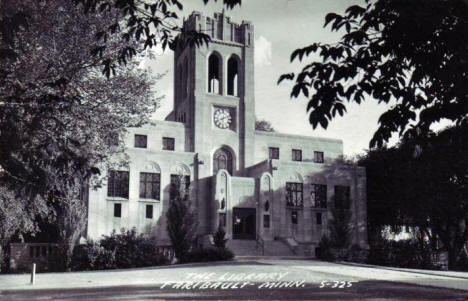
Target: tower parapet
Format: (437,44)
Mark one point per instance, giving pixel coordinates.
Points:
(221,28)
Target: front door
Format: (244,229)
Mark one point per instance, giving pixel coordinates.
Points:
(243,223)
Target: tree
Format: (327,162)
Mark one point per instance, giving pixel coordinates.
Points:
(57,111)
(181,222)
(340,234)
(422,183)
(263,125)
(335,245)
(411,54)
(71,219)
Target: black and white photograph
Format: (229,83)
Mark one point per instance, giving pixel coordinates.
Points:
(234,150)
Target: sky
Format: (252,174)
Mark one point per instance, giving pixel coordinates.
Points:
(281,26)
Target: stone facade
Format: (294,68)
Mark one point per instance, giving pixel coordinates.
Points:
(252,182)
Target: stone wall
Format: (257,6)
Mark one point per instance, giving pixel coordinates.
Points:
(23,255)
(101,218)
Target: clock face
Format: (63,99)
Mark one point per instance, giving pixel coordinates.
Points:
(222,118)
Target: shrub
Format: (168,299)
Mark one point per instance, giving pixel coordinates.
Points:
(209,254)
(337,245)
(402,253)
(324,250)
(357,254)
(329,252)
(132,250)
(220,238)
(462,263)
(92,256)
(124,250)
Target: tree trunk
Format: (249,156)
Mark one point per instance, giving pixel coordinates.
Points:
(4,256)
(453,255)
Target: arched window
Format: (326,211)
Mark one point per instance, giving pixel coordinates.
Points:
(267,206)
(222,159)
(232,77)
(214,74)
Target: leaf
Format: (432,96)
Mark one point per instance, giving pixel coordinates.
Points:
(330,17)
(304,51)
(296,53)
(296,90)
(305,90)
(355,11)
(288,76)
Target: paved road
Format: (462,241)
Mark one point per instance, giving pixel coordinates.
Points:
(249,280)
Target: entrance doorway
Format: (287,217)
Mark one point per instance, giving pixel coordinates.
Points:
(243,223)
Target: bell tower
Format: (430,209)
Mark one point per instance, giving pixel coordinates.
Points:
(214,90)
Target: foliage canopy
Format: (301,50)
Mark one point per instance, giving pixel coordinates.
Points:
(57,112)
(422,183)
(410,54)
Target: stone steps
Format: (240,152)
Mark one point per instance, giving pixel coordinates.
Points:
(249,248)
(243,247)
(277,248)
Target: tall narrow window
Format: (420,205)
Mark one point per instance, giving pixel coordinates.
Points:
(318,218)
(318,195)
(117,210)
(232,32)
(117,185)
(266,221)
(149,211)
(150,185)
(232,88)
(294,217)
(214,74)
(219,29)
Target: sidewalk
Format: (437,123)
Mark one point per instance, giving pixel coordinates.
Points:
(310,271)
(104,278)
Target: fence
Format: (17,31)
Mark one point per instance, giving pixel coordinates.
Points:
(22,255)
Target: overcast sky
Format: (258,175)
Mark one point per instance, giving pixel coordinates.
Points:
(281,26)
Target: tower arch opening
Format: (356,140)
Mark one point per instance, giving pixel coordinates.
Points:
(233,76)
(214,73)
